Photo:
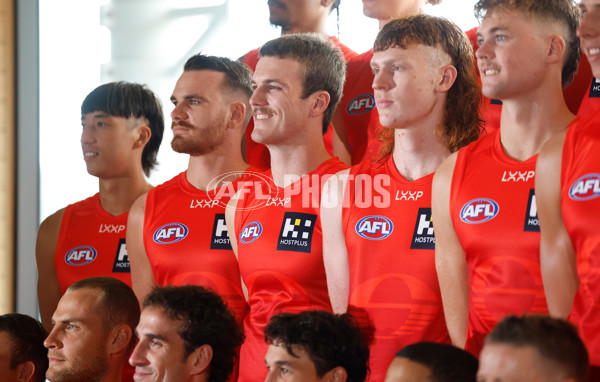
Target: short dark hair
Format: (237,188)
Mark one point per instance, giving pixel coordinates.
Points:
(27,337)
(462,117)
(554,339)
(205,320)
(130,100)
(323,63)
(117,304)
(330,340)
(563,11)
(445,362)
(237,75)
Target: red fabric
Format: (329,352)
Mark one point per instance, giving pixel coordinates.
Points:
(393,283)
(492,205)
(281,258)
(580,205)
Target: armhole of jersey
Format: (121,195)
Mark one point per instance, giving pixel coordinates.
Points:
(456,182)
(62,234)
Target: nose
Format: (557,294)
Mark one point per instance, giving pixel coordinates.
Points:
(53,341)
(382,80)
(138,357)
(484,52)
(179,113)
(87,135)
(588,28)
(258,97)
(270,376)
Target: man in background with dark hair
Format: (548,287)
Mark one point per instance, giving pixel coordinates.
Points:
(122,130)
(22,353)
(432,362)
(187,334)
(93,331)
(533,348)
(186,215)
(293,16)
(315,346)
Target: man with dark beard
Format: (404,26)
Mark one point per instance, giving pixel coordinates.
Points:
(178,233)
(93,331)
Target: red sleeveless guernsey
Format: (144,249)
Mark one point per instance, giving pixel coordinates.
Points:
(492,205)
(390,241)
(91,242)
(280,253)
(185,237)
(257,154)
(580,204)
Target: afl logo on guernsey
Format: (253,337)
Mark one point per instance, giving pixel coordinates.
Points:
(586,187)
(80,255)
(361,104)
(478,211)
(251,232)
(170,233)
(374,227)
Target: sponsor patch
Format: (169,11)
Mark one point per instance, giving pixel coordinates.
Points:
(251,232)
(478,211)
(586,187)
(423,237)
(374,227)
(296,232)
(532,224)
(121,264)
(220,239)
(80,255)
(170,233)
(361,104)
(595,88)
(111,228)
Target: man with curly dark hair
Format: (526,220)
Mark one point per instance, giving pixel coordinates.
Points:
(315,345)
(186,333)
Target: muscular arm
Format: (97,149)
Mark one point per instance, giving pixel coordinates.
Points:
(230,221)
(142,277)
(335,253)
(557,256)
(450,261)
(48,288)
(340,143)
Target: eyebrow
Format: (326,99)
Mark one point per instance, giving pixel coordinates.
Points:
(97,115)
(189,97)
(152,336)
(493,30)
(270,81)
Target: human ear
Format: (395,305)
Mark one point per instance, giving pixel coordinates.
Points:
(25,371)
(200,358)
(448,76)
(320,103)
(143,134)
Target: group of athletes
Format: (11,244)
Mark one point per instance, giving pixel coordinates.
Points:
(473,133)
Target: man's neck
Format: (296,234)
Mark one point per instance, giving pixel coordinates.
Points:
(118,194)
(288,163)
(204,169)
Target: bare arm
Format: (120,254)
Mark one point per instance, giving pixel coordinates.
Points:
(48,288)
(341,146)
(557,256)
(335,253)
(230,221)
(450,261)
(142,277)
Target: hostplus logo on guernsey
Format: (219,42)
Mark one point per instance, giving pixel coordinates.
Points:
(361,104)
(595,88)
(80,255)
(296,232)
(374,227)
(170,233)
(423,237)
(251,232)
(532,223)
(220,238)
(586,187)
(479,211)
(121,264)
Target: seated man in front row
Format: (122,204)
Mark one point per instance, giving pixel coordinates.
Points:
(315,346)
(186,333)
(533,348)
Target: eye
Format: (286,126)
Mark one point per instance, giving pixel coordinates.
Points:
(480,41)
(155,343)
(375,70)
(70,327)
(396,68)
(500,37)
(274,88)
(284,372)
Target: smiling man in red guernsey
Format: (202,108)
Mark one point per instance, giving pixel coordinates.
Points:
(276,234)
(122,129)
(567,187)
(378,236)
(293,16)
(484,205)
